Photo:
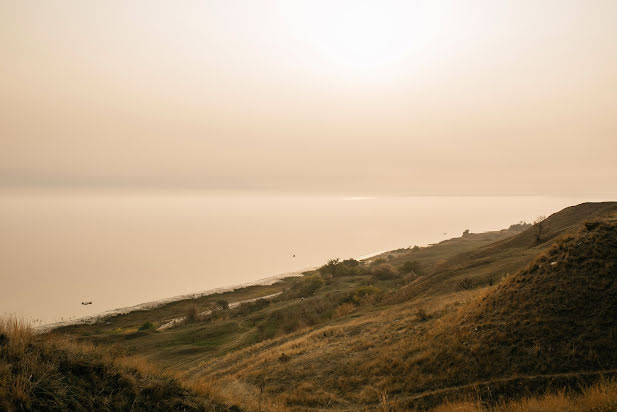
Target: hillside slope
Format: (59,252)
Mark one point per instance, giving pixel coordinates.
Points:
(557,315)
(51,373)
(487,264)
(484,314)
(543,327)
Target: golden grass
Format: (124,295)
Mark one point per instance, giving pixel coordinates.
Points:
(353,362)
(235,392)
(600,397)
(51,372)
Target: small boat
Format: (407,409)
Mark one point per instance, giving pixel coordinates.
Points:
(86,303)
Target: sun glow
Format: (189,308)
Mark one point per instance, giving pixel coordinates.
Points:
(365,37)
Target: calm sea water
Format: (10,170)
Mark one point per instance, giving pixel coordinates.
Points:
(116,250)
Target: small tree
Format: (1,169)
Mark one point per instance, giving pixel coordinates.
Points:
(192,313)
(331,268)
(540,228)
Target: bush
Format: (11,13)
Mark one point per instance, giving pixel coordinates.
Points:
(385,271)
(344,309)
(335,267)
(422,315)
(378,261)
(312,284)
(366,294)
(222,304)
(147,326)
(411,267)
(330,268)
(192,314)
(363,295)
(366,291)
(351,263)
(465,284)
(250,307)
(305,286)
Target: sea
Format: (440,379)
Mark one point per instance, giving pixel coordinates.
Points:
(118,249)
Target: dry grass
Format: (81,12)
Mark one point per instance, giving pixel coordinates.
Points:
(391,356)
(50,372)
(357,362)
(234,392)
(600,397)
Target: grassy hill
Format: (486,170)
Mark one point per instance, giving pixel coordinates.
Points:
(56,373)
(495,316)
(551,324)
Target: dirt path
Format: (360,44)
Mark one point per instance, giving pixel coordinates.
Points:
(176,321)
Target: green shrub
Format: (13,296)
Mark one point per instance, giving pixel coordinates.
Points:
(385,271)
(366,291)
(305,286)
(335,267)
(411,267)
(147,326)
(250,307)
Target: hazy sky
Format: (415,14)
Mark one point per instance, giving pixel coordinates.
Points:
(414,97)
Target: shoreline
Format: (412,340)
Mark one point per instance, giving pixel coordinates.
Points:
(90,319)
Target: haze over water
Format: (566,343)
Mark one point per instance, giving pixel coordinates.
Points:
(120,249)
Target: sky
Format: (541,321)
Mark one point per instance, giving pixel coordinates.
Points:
(360,97)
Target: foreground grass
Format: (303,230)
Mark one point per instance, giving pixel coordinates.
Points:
(601,397)
(50,372)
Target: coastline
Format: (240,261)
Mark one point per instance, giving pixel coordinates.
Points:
(160,302)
